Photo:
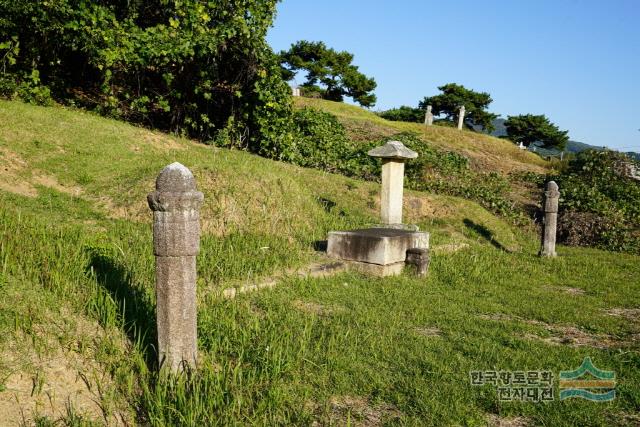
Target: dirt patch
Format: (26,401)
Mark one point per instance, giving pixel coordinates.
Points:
(498,421)
(14,177)
(429,331)
(46,386)
(417,208)
(632,314)
(315,308)
(561,334)
(53,369)
(52,182)
(574,337)
(11,168)
(355,411)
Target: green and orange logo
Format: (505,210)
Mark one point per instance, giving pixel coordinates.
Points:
(588,382)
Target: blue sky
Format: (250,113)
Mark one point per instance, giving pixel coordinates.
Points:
(577,61)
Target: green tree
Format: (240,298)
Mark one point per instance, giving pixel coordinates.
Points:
(453,96)
(188,66)
(529,128)
(329,72)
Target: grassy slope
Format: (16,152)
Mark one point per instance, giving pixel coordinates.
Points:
(485,152)
(76,249)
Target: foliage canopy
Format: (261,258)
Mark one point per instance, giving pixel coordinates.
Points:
(454,96)
(332,69)
(529,128)
(188,66)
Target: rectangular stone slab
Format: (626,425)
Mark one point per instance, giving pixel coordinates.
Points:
(382,246)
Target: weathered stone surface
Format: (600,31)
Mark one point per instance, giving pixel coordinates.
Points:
(392,191)
(393,150)
(428,116)
(551,197)
(419,257)
(461,117)
(380,246)
(376,269)
(176,242)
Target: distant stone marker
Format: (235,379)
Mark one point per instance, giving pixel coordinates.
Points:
(295,91)
(551,196)
(393,155)
(176,242)
(428,116)
(461,117)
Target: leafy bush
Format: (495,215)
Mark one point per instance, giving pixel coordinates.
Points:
(600,202)
(320,141)
(403,114)
(187,66)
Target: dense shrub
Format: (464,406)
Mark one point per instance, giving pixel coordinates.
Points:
(403,114)
(600,202)
(187,66)
(320,141)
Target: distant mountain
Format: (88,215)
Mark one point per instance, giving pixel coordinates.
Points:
(634,155)
(572,146)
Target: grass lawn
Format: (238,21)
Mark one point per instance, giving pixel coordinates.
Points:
(77,304)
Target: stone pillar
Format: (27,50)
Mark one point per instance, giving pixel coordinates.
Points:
(461,117)
(392,191)
(393,155)
(551,196)
(428,116)
(176,242)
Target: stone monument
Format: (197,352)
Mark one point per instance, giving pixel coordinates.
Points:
(393,155)
(176,242)
(461,117)
(551,196)
(382,250)
(428,116)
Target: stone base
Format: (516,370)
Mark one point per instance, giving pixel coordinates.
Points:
(377,270)
(382,246)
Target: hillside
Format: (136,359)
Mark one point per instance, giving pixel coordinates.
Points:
(485,152)
(77,297)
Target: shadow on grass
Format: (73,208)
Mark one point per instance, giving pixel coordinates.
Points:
(134,306)
(485,233)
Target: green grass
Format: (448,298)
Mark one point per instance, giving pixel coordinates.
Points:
(343,350)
